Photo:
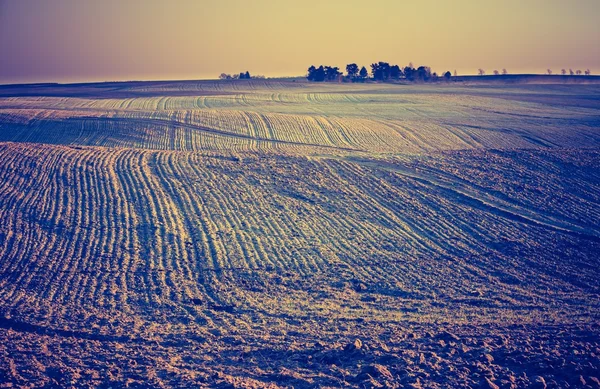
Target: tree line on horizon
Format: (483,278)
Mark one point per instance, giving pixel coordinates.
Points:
(383,71)
(380,71)
(242,76)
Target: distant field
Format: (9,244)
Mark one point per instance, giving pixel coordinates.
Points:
(247,233)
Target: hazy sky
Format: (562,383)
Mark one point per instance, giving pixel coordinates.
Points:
(85,40)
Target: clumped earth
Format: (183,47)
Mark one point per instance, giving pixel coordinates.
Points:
(256,234)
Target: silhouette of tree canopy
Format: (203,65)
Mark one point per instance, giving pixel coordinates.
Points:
(316,74)
(352,70)
(423,73)
(395,72)
(381,71)
(241,76)
(363,73)
(332,73)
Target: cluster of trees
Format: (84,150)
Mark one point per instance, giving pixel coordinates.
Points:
(241,76)
(323,73)
(383,71)
(380,71)
(356,74)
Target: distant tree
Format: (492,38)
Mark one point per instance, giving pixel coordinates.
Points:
(316,74)
(386,70)
(225,76)
(381,71)
(434,76)
(363,73)
(320,74)
(409,72)
(587,72)
(563,72)
(578,72)
(332,72)
(395,72)
(236,76)
(376,72)
(447,75)
(481,72)
(455,74)
(504,72)
(423,73)
(311,73)
(496,72)
(549,71)
(247,75)
(571,72)
(352,70)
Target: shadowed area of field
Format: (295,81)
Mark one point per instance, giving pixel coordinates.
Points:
(273,234)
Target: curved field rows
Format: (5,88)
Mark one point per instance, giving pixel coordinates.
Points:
(246,234)
(239,130)
(124,229)
(382,119)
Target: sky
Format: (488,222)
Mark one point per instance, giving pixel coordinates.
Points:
(111,40)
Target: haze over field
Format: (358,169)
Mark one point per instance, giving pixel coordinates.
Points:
(78,41)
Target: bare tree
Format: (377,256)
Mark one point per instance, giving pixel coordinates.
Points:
(455,74)
(225,76)
(504,72)
(496,72)
(481,72)
(564,72)
(578,72)
(587,72)
(571,72)
(549,71)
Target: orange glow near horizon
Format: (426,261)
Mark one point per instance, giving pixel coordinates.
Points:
(73,41)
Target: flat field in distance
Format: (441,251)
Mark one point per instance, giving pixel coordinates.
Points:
(284,234)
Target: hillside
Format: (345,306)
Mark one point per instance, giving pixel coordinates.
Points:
(290,234)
